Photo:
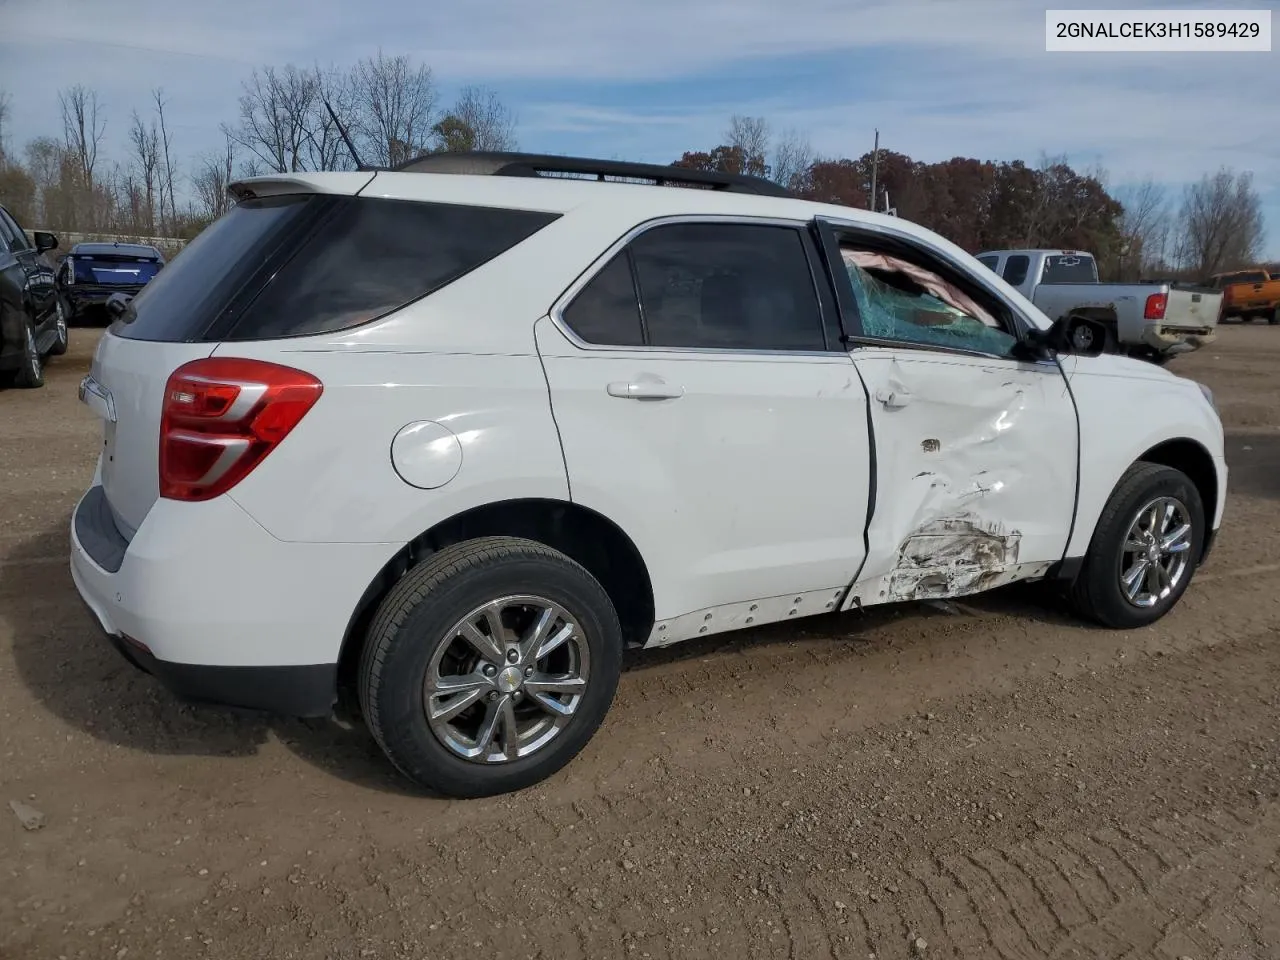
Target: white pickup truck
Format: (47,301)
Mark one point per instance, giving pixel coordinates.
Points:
(1154,321)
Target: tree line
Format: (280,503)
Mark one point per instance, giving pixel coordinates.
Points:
(392,109)
(1140,231)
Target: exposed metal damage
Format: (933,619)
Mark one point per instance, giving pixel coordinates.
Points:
(951,557)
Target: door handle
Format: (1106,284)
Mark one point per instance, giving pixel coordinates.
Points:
(893,399)
(645,390)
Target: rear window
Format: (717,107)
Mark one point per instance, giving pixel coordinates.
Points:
(1258,277)
(1069,268)
(307,264)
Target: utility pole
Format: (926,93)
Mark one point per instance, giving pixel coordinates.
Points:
(875,165)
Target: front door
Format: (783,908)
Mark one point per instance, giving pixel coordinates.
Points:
(705,403)
(976,449)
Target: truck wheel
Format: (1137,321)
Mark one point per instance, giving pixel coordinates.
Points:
(489,666)
(1144,549)
(1275,316)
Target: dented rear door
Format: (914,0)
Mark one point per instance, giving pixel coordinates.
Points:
(975,472)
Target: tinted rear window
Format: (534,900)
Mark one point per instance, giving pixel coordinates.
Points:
(308,264)
(1258,277)
(1069,269)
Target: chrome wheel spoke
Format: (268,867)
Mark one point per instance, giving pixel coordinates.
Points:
(555,641)
(489,726)
(1163,580)
(1134,577)
(1152,579)
(1135,546)
(531,651)
(554,706)
(1170,514)
(1178,540)
(510,729)
(483,644)
(546,683)
(460,700)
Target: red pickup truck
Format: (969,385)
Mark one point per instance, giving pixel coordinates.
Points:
(1249,294)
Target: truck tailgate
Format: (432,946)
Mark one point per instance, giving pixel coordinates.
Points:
(1192,308)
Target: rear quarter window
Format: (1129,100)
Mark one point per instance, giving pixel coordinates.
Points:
(306,264)
(372,256)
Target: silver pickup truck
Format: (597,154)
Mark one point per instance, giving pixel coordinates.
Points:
(1154,321)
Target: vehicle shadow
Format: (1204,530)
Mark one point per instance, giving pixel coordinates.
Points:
(70,668)
(66,663)
(1253,459)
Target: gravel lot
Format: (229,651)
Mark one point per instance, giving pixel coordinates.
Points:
(984,780)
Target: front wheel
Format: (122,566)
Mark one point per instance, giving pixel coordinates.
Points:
(489,666)
(1144,550)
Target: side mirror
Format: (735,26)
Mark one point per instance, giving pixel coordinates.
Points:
(117,305)
(1082,336)
(45,241)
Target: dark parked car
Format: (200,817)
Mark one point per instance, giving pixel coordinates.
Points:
(92,272)
(33,320)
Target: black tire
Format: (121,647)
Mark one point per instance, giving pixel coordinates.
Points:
(30,373)
(1097,594)
(60,324)
(1275,316)
(416,619)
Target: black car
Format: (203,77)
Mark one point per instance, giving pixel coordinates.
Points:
(33,320)
(93,272)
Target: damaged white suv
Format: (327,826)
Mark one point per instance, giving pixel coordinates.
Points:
(456,434)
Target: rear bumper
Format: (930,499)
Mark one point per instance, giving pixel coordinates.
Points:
(1176,339)
(92,295)
(216,608)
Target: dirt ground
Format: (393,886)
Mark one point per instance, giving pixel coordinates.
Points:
(989,780)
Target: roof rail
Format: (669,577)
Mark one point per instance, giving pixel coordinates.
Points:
(536,165)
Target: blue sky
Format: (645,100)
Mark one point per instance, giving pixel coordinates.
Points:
(940,78)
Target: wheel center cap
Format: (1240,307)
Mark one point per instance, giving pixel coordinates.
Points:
(510,679)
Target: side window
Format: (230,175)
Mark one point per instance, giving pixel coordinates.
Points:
(729,286)
(900,300)
(1015,269)
(606,311)
(10,236)
(989,262)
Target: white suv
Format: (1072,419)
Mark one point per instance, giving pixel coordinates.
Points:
(458,433)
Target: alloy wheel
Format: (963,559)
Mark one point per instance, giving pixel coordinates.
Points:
(1157,552)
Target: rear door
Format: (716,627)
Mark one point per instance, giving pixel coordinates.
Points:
(705,403)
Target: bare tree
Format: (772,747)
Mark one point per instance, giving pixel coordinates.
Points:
(144,141)
(792,158)
(211,180)
(395,106)
(751,136)
(275,122)
(166,159)
(491,123)
(1144,228)
(82,128)
(1222,222)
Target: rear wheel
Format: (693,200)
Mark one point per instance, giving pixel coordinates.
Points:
(1144,550)
(31,366)
(489,666)
(60,330)
(1275,316)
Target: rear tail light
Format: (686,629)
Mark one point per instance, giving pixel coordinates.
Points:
(221,417)
(1156,304)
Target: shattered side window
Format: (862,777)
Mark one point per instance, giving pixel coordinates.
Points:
(898,300)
